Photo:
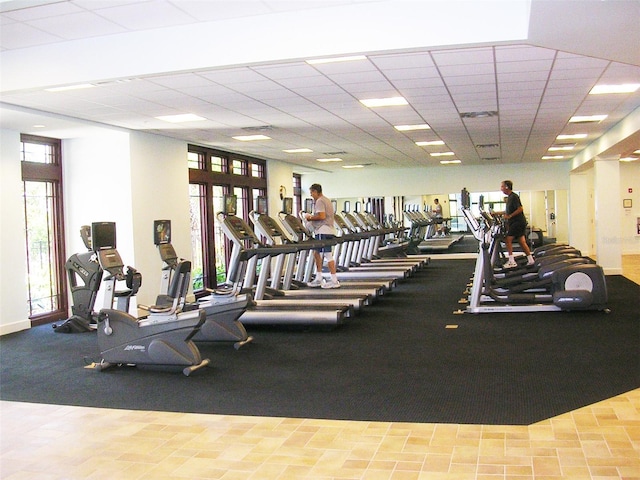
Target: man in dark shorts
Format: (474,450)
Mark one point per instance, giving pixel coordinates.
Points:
(516,225)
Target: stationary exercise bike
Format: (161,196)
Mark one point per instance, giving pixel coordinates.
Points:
(223,306)
(162,338)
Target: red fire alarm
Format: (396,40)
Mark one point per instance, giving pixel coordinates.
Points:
(630,190)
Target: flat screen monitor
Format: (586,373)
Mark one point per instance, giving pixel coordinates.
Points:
(287,205)
(230,205)
(347,206)
(103,235)
(465,198)
(261,205)
(358,207)
(308,205)
(161,231)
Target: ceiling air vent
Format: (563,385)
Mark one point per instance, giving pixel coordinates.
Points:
(261,128)
(334,154)
(491,159)
(488,145)
(483,114)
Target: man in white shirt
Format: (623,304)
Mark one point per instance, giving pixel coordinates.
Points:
(322,221)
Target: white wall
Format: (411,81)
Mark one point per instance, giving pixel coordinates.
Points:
(278,174)
(14,295)
(629,234)
(97,188)
(422,181)
(159,191)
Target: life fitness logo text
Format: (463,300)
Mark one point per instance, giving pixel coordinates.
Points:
(139,348)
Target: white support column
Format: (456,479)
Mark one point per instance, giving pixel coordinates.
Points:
(582,206)
(608,212)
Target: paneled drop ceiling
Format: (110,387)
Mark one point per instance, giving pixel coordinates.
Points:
(486,103)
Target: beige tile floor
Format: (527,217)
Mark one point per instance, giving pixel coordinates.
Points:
(52,442)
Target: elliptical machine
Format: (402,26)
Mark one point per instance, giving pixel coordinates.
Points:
(223,307)
(163,338)
(85,275)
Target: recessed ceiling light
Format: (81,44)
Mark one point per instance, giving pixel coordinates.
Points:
(39,126)
(298,150)
(629,159)
(352,166)
(326,160)
(251,138)
(181,118)
(441,154)
(563,148)
(624,88)
(449,162)
(587,118)
(408,128)
(431,143)
(384,102)
(552,157)
(79,86)
(571,136)
(352,58)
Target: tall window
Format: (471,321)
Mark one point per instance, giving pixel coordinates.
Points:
(42,182)
(213,174)
(297,193)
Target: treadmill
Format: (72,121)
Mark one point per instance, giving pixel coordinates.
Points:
(282,272)
(247,251)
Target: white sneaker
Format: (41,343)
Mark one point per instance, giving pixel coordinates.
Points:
(531,262)
(331,284)
(316,282)
(510,264)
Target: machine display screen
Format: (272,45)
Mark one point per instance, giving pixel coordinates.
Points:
(261,205)
(103,235)
(230,204)
(287,205)
(161,231)
(308,205)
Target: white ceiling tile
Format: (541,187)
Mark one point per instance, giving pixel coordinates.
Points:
(150,14)
(470,56)
(221,9)
(468,70)
(77,25)
(52,9)
(20,35)
(470,80)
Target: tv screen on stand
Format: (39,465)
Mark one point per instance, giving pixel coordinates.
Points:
(230,204)
(103,235)
(287,205)
(161,231)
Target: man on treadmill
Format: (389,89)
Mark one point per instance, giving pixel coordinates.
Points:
(322,221)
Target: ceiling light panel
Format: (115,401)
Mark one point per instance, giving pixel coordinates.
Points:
(251,138)
(612,89)
(408,128)
(352,58)
(384,102)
